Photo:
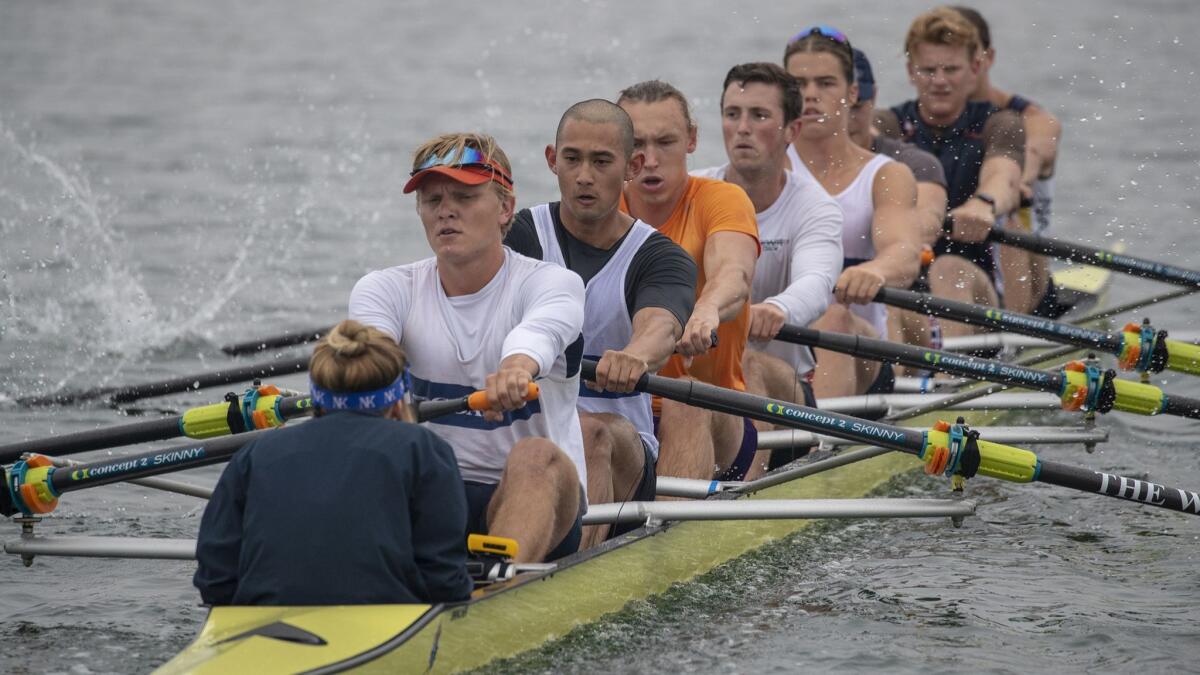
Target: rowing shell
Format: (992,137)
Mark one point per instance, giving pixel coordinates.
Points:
(516,616)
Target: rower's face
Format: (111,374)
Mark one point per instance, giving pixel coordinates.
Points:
(590,163)
(461,221)
(662,134)
(756,137)
(826,95)
(944,77)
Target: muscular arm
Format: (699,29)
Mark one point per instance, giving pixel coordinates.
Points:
(1042,134)
(729,259)
(931,211)
(894,228)
(1000,175)
(655,331)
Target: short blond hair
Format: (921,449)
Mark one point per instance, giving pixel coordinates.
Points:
(942,26)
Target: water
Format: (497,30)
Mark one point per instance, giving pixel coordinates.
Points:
(177,176)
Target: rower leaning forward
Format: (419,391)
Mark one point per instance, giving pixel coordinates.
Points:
(478,316)
(981,147)
(640,289)
(714,222)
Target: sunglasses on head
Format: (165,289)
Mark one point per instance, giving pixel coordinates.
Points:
(469,157)
(824,31)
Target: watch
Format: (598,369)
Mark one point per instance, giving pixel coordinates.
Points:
(986,199)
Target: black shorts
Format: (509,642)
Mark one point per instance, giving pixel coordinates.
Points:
(646,490)
(885,380)
(781,456)
(479,495)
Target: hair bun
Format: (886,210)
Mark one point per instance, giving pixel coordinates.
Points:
(348,338)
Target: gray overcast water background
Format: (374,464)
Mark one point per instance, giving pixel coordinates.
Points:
(174,176)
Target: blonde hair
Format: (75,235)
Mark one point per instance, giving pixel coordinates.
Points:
(452,145)
(354,357)
(942,26)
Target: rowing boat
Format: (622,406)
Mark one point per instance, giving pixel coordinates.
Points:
(524,613)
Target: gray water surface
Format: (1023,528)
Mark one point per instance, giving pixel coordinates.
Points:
(174,176)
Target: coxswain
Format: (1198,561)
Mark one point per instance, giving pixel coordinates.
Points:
(286,524)
(640,287)
(478,316)
(881,239)
(714,222)
(799,226)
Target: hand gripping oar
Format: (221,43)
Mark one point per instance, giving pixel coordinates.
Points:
(133,392)
(34,485)
(1081,386)
(1088,255)
(1139,348)
(955,451)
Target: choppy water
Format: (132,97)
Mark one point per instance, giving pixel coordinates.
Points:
(176,176)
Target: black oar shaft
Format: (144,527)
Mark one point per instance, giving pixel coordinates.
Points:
(1088,255)
(1001,319)
(174,385)
(998,461)
(178,458)
(1121,487)
(917,357)
(83,441)
(288,339)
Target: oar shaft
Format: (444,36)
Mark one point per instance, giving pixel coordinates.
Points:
(1120,487)
(174,385)
(1088,255)
(288,339)
(83,441)
(1001,319)
(917,357)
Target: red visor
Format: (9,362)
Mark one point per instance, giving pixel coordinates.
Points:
(467,174)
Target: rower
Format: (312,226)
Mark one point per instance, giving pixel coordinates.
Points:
(903,325)
(881,240)
(478,316)
(800,228)
(714,222)
(286,524)
(640,288)
(1042,134)
(980,146)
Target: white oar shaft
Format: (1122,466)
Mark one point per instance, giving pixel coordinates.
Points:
(103,547)
(1001,340)
(883,404)
(771,440)
(776,509)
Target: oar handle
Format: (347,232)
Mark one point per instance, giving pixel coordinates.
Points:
(477,401)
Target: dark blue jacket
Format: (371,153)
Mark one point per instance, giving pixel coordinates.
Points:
(349,508)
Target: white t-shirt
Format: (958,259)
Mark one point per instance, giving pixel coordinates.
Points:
(453,344)
(801,237)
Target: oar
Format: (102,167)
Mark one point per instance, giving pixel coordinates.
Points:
(954,451)
(288,339)
(133,392)
(1098,257)
(34,485)
(1081,387)
(1140,348)
(261,407)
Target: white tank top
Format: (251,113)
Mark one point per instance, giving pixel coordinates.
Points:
(454,343)
(606,322)
(858,212)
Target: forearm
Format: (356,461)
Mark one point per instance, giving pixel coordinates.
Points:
(725,293)
(1000,179)
(654,339)
(898,263)
(930,212)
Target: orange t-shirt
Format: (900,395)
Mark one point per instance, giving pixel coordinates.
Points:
(709,206)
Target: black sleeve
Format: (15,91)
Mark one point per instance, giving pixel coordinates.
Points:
(661,274)
(219,544)
(522,237)
(438,509)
